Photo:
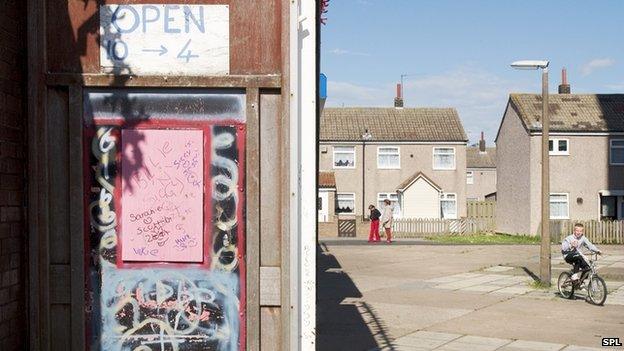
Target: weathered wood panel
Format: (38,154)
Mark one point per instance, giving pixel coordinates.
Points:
(60,284)
(76,218)
(59,182)
(60,334)
(270,320)
(253,219)
(270,171)
(73,35)
(270,292)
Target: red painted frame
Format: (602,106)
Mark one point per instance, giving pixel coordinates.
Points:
(206,126)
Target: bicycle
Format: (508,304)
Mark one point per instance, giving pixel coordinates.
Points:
(596,287)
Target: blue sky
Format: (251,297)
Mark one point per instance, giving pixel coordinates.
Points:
(458,52)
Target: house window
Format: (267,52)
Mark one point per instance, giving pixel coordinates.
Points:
(344,157)
(388,158)
(319,204)
(559,206)
(470,177)
(443,158)
(448,205)
(558,147)
(394,202)
(346,203)
(617,152)
(608,207)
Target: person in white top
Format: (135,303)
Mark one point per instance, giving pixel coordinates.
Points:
(570,250)
(386,220)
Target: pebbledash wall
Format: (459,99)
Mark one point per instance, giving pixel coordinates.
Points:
(13,266)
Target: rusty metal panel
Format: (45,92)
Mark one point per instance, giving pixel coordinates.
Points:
(73,36)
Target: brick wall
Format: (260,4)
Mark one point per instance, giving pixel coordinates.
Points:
(13,264)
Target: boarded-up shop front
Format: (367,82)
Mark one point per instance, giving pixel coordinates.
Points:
(160,184)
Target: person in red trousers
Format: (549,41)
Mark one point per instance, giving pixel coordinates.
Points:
(373,236)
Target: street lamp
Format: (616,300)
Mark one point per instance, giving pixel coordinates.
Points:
(545,270)
(365,137)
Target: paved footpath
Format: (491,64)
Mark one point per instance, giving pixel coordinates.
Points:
(417,296)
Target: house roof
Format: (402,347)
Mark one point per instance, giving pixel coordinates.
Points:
(391,124)
(572,112)
(326,180)
(409,181)
(476,159)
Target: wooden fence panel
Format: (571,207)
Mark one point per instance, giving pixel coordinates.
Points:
(481,209)
(598,232)
(421,227)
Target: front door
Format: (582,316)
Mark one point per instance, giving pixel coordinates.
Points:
(620,206)
(323,204)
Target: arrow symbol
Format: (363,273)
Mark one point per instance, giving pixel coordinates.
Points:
(163,50)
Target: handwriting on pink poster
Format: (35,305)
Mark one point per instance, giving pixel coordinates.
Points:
(162,195)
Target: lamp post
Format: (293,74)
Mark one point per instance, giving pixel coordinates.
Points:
(545,269)
(365,137)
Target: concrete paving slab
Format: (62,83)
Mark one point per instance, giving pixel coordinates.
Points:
(467,275)
(476,343)
(447,279)
(513,290)
(581,348)
(540,320)
(372,282)
(481,288)
(435,335)
(499,269)
(400,319)
(523,345)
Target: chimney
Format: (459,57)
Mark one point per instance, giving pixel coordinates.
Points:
(564,87)
(398,100)
(482,144)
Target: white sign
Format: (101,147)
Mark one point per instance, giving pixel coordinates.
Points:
(165,39)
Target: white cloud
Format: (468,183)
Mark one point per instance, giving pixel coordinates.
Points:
(479,96)
(338,51)
(589,67)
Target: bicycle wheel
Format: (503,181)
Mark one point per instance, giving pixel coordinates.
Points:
(597,291)
(565,285)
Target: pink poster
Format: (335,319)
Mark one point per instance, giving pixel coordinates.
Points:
(162,195)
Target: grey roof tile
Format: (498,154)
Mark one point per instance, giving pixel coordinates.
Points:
(391,124)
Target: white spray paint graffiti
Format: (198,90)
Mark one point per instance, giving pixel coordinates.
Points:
(153,308)
(224,193)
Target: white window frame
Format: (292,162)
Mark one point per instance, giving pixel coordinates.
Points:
(443,198)
(354,202)
(611,147)
(469,177)
(383,196)
(567,203)
(454,159)
(398,153)
(555,151)
(334,151)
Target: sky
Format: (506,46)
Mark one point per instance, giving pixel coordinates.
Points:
(457,53)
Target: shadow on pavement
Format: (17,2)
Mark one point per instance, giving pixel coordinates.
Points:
(349,325)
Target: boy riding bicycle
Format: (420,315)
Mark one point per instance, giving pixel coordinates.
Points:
(570,249)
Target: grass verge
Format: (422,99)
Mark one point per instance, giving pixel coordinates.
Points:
(485,239)
(536,284)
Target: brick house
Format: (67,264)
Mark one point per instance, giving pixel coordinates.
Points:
(415,157)
(480,172)
(586,159)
